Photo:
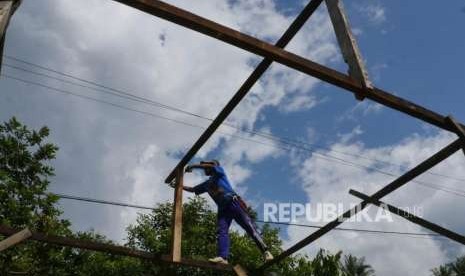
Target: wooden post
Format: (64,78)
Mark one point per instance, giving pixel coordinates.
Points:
(176,228)
(348,45)
(15,239)
(239,270)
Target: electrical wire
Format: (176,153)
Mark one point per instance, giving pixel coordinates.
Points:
(114,203)
(130,96)
(320,155)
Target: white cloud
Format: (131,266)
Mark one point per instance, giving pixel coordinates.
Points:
(300,102)
(119,155)
(374,12)
(361,109)
(325,181)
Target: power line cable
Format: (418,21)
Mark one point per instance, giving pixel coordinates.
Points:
(130,96)
(115,203)
(320,155)
(354,229)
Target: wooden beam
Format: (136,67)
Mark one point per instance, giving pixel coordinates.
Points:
(262,48)
(176,228)
(296,25)
(458,129)
(15,239)
(115,249)
(239,270)
(348,45)
(396,184)
(6,8)
(411,217)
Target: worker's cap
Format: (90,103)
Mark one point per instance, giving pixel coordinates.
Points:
(212,162)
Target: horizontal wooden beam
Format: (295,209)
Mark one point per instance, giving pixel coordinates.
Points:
(262,48)
(15,239)
(394,185)
(296,25)
(115,249)
(411,217)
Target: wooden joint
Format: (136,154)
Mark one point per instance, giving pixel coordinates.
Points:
(458,129)
(15,239)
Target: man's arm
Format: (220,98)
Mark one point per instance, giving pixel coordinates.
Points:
(185,188)
(188,189)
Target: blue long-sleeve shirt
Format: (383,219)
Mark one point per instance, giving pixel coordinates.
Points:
(218,187)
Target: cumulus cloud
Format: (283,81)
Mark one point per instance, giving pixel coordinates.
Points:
(119,155)
(329,182)
(375,12)
(360,110)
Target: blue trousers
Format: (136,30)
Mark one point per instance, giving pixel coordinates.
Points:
(225,217)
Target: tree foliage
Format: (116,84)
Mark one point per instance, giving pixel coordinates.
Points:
(455,268)
(25,172)
(353,266)
(24,200)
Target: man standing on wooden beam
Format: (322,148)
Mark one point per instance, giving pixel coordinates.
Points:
(230,207)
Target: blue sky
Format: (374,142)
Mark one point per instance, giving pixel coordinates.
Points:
(411,56)
(413,51)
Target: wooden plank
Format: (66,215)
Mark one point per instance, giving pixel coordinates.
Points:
(114,249)
(199,264)
(348,45)
(396,184)
(15,239)
(262,48)
(296,25)
(458,129)
(411,217)
(6,8)
(239,270)
(176,228)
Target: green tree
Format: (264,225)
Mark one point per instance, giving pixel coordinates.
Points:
(151,232)
(353,266)
(24,200)
(25,173)
(455,268)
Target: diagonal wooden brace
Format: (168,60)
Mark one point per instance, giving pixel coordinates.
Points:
(391,187)
(411,217)
(458,129)
(348,45)
(15,239)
